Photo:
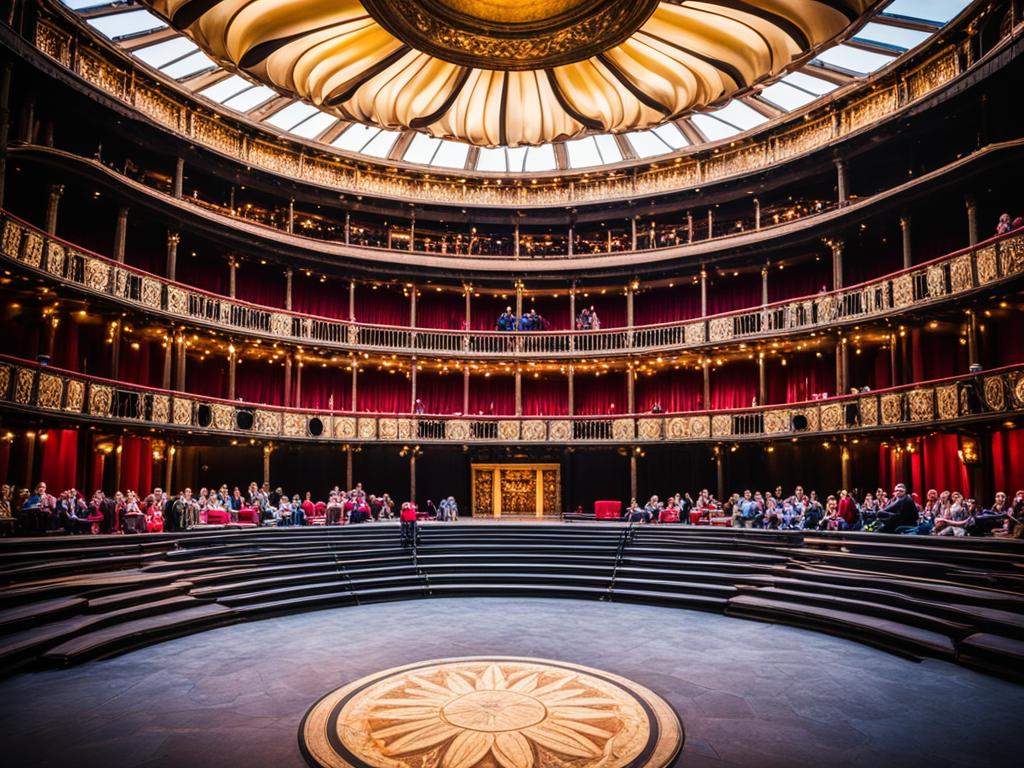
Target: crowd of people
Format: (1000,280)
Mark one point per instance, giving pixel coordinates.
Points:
(945,513)
(37,513)
(586,320)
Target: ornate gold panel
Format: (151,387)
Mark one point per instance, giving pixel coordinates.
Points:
(12,239)
(97,274)
(552,491)
(948,403)
(533,431)
(1016,386)
(5,380)
(812,415)
(388,429)
(868,407)
(650,429)
(267,422)
(456,429)
(55,258)
(345,427)
(960,276)
(995,393)
(720,329)
(777,421)
(892,408)
(902,291)
(833,417)
(623,429)
(182,411)
(294,425)
(101,400)
(986,259)
(76,396)
(937,72)
(483,491)
(367,428)
(936,277)
(280,325)
(921,406)
(559,431)
(32,254)
(150,293)
(161,409)
(721,425)
(51,388)
(23,381)
(1011,253)
(508,430)
(177,301)
(693,333)
(223,417)
(406,429)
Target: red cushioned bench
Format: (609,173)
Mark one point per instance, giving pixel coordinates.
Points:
(608,510)
(668,516)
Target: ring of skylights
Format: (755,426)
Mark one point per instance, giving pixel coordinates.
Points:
(425,70)
(895,29)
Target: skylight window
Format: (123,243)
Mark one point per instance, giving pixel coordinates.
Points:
(516,157)
(647,144)
(939,11)
(126,24)
(540,158)
(491,160)
(81,5)
(162,54)
(583,153)
(381,144)
(422,149)
(713,128)
(812,85)
(451,154)
(225,89)
(250,99)
(190,65)
(900,39)
(787,97)
(290,116)
(671,135)
(313,126)
(855,60)
(740,115)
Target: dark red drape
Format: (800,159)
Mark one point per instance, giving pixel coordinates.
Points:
(322,386)
(209,274)
(1008,461)
(545,397)
(440,393)
(734,385)
(676,391)
(313,296)
(261,284)
(666,305)
(383,392)
(445,310)
(595,395)
(136,464)
(381,306)
(485,310)
(59,460)
(728,292)
(803,279)
(610,307)
(803,376)
(208,377)
(260,382)
(493,395)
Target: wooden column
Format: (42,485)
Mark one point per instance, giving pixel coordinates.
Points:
(720,473)
(291,215)
(842,189)
(297,401)
(572,237)
(168,357)
(972,221)
(287,380)
(348,228)
(30,459)
(412,386)
(52,207)
(118,455)
(179,178)
(707,385)
(762,381)
(115,350)
(469,306)
(348,468)
(355,386)
(632,473)
(630,389)
(711,223)
(757,214)
(703,292)
(844,460)
(352,301)
(232,278)
(764,287)
(288,289)
(629,305)
(689,226)
(837,264)
(972,338)
(894,374)
(120,234)
(908,260)
(465,389)
(268,450)
(632,233)
(571,380)
(173,238)
(840,380)
(232,366)
(172,450)
(412,475)
(515,245)
(412,232)
(412,306)
(519,392)
(519,302)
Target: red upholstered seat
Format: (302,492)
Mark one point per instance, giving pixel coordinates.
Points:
(319,516)
(217,517)
(608,510)
(249,516)
(724,521)
(668,516)
(695,517)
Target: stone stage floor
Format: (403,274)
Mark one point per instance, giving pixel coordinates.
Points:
(748,693)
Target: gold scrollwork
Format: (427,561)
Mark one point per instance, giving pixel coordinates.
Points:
(76,396)
(720,329)
(51,388)
(995,393)
(345,427)
(693,333)
(161,409)
(223,417)
(559,431)
(23,381)
(649,429)
(508,430)
(150,293)
(267,422)
(533,431)
(388,429)
(177,301)
(721,425)
(12,238)
(457,429)
(960,276)
(902,290)
(623,429)
(294,425)
(1011,254)
(55,258)
(986,259)
(182,411)
(367,428)
(97,275)
(868,408)
(921,406)
(948,403)
(832,417)
(777,421)
(892,408)
(101,400)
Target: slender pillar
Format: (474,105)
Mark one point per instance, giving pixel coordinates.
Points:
(571,380)
(519,301)
(355,385)
(837,264)
(757,214)
(179,178)
(172,450)
(352,301)
(298,382)
(703,292)
(232,366)
(908,260)
(118,463)
(515,244)
(632,473)
(413,388)
(288,380)
(288,274)
(707,385)
(629,305)
(841,183)
(348,239)
(572,237)
(894,374)
(115,350)
(762,381)
(844,459)
(412,306)
(841,364)
(291,216)
(711,223)
(689,226)
(465,390)
(168,357)
(5,121)
(572,304)
(182,358)
(608,241)
(632,233)
(468,289)
(268,450)
(972,221)
(348,467)
(412,475)
(519,392)
(630,389)
(412,232)
(764,286)
(120,233)
(52,206)
(972,338)
(173,238)
(720,473)
(232,278)
(30,459)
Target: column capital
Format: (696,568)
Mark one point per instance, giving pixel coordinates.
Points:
(56,190)
(173,238)
(905,221)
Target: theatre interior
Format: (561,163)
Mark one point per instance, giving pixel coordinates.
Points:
(511,383)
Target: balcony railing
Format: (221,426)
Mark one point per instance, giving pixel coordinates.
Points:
(949,277)
(63,395)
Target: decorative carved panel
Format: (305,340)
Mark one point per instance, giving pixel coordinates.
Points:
(223,416)
(777,421)
(559,431)
(23,386)
(693,333)
(456,429)
(177,301)
(161,408)
(720,329)
(149,293)
(12,239)
(388,429)
(367,428)
(55,258)
(51,388)
(508,430)
(948,404)
(920,405)
(902,291)
(280,325)
(623,429)
(1011,254)
(650,429)
(868,407)
(267,422)
(293,425)
(75,397)
(182,411)
(936,277)
(5,380)
(97,274)
(533,431)
(721,425)
(345,427)
(33,249)
(552,491)
(960,277)
(892,408)
(483,491)
(101,400)
(995,393)
(833,417)
(986,258)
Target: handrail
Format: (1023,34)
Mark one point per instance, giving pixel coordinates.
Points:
(625,536)
(41,389)
(953,275)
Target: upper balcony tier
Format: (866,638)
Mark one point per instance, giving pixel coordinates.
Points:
(857,107)
(953,277)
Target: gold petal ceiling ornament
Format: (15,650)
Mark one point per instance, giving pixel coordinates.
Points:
(512,72)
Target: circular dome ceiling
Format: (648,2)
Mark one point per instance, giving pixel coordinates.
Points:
(511,72)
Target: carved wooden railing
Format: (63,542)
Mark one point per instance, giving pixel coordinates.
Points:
(944,279)
(63,395)
(72,45)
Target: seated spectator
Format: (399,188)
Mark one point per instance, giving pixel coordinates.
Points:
(901,511)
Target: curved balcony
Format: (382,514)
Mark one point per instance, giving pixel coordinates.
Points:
(879,98)
(52,393)
(955,276)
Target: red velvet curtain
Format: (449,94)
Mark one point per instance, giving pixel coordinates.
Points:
(382,392)
(260,382)
(610,307)
(136,464)
(554,310)
(327,298)
(261,284)
(209,274)
(728,292)
(59,465)
(1002,339)
(596,395)
(65,347)
(320,385)
(208,377)
(141,366)
(486,308)
(440,393)
(802,377)
(545,397)
(1008,461)
(666,305)
(381,306)
(734,385)
(935,355)
(445,310)
(941,465)
(677,391)
(494,395)
(804,279)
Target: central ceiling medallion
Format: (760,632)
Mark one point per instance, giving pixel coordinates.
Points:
(512,34)
(491,713)
(512,72)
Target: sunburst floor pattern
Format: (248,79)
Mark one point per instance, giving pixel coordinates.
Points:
(480,712)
